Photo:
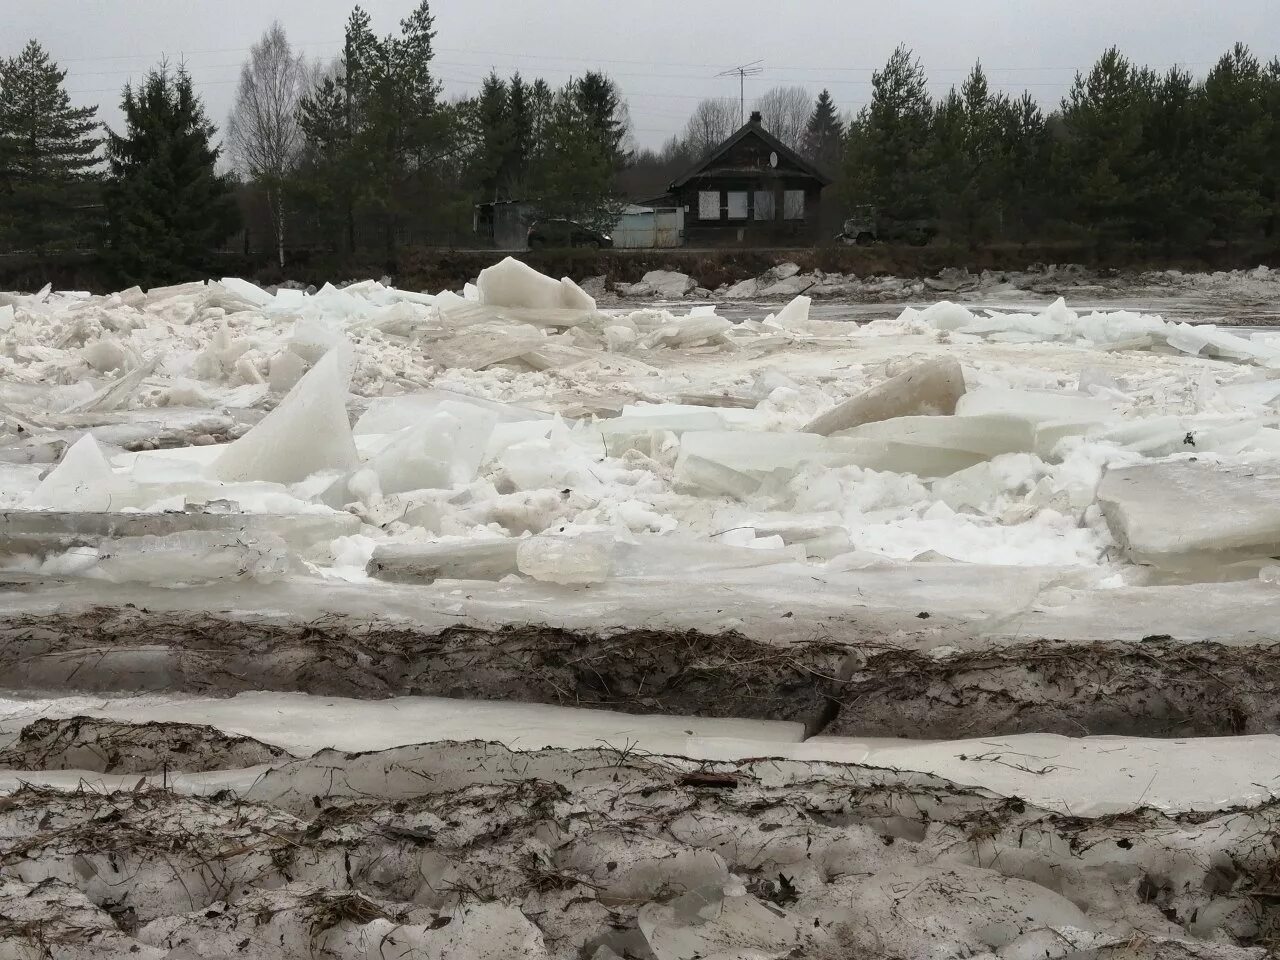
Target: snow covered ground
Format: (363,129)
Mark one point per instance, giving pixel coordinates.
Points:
(1027,550)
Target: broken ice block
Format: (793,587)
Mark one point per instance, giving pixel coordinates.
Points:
(441,451)
(921,459)
(1211,341)
(480,345)
(107,354)
(444,560)
(930,389)
(193,557)
(669,556)
(1163,436)
(117,393)
(83,481)
(1035,406)
(285,370)
(638,433)
(389,414)
(986,435)
(511,283)
(1182,514)
(663,285)
(945,315)
(246,291)
(43,531)
(312,338)
(307,433)
(983,482)
(586,558)
(689,330)
(735,463)
(794,316)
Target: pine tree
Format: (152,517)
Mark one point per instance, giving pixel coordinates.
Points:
(968,159)
(824,136)
(1100,159)
(886,159)
(47,154)
(333,118)
(576,178)
(394,157)
(167,208)
(1025,149)
(1271,186)
(1235,131)
(1170,200)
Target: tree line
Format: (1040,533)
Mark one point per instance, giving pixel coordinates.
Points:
(364,155)
(1130,155)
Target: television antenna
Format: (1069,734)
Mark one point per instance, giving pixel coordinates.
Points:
(751,69)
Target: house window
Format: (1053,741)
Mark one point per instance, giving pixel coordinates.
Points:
(737,204)
(794,205)
(764,204)
(709,205)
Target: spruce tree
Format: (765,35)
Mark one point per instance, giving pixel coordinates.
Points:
(598,102)
(47,155)
(519,109)
(576,178)
(824,136)
(495,134)
(168,210)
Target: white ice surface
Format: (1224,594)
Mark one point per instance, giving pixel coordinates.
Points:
(1090,776)
(304,724)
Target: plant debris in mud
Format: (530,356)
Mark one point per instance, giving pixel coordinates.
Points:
(470,850)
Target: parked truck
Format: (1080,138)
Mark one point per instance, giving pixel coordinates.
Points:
(868,225)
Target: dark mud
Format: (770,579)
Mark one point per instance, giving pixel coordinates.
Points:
(105,746)
(863,685)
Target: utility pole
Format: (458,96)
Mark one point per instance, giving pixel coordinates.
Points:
(746,70)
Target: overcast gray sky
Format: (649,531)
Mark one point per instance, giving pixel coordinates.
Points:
(664,53)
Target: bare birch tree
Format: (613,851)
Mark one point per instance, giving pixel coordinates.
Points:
(262,131)
(784,112)
(710,125)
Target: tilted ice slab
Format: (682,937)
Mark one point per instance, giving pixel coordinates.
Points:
(307,433)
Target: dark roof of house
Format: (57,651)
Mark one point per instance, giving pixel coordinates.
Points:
(752,126)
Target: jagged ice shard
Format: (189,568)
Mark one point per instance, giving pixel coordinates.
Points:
(307,433)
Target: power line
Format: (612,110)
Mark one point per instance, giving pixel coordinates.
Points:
(806,67)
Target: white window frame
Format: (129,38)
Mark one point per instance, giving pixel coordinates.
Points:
(743,205)
(708,200)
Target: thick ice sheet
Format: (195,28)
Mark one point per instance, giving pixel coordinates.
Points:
(1090,776)
(304,724)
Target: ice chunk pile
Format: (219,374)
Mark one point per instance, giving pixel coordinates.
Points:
(518,432)
(1120,330)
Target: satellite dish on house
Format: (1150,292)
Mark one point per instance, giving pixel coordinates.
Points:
(773,159)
